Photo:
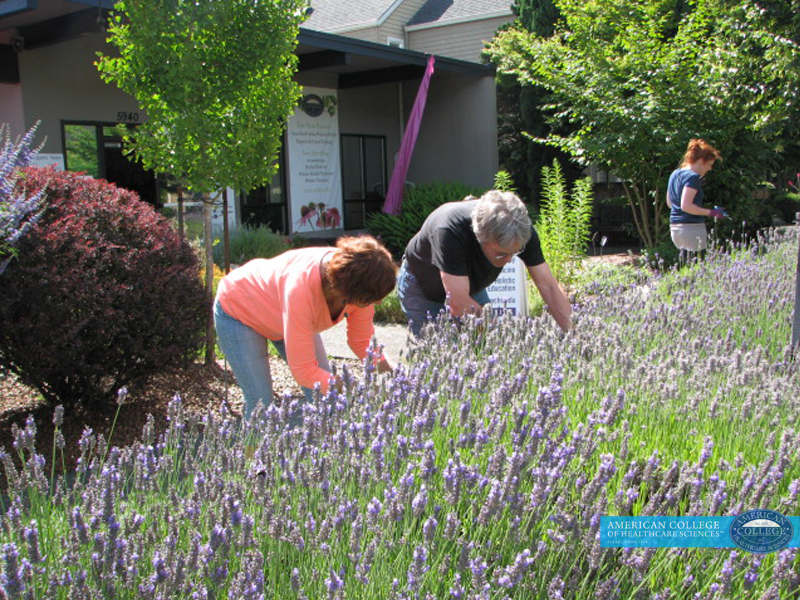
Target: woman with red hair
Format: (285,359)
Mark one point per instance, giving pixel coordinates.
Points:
(685,197)
(288,300)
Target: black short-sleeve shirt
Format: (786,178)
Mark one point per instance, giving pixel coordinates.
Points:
(446,243)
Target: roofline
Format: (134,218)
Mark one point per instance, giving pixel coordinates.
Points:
(368,24)
(388,12)
(459,20)
(331,41)
(348,28)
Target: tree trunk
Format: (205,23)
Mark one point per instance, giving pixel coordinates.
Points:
(208,242)
(180,211)
(796,320)
(226,237)
(639,219)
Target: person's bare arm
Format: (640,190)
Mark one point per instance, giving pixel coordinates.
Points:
(557,303)
(457,288)
(688,205)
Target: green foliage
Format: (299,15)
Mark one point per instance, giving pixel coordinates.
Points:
(522,113)
(504,182)
(81,146)
(537,16)
(632,82)
(663,256)
(390,311)
(395,231)
(247,243)
(599,278)
(786,205)
(563,225)
(216,80)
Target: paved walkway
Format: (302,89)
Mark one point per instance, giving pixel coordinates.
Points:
(393,337)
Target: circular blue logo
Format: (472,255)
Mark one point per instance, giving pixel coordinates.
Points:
(312,105)
(761,531)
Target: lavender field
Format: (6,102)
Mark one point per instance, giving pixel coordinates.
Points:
(480,469)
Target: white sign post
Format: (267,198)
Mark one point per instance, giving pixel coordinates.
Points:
(509,290)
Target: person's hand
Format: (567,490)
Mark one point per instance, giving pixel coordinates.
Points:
(384,366)
(718,213)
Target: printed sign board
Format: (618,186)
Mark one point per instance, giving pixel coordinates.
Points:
(509,289)
(42,159)
(313,156)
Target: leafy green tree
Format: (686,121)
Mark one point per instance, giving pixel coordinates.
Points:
(522,113)
(216,82)
(639,78)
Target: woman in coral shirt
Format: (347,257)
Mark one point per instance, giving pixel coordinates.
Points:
(289,300)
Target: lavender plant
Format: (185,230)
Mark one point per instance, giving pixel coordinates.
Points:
(17,213)
(479,469)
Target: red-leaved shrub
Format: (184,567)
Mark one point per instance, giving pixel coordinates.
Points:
(103,294)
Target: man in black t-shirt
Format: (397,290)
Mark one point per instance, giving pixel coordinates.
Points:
(461,249)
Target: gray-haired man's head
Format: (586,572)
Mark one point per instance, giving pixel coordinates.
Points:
(501,218)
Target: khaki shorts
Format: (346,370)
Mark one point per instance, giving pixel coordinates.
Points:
(689,236)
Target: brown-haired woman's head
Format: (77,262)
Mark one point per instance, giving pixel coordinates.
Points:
(362,270)
(698,150)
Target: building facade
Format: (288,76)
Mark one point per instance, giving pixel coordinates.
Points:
(339,147)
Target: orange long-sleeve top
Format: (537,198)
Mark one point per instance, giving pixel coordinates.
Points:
(281,298)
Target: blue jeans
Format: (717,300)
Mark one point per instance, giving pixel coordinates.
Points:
(416,305)
(246,352)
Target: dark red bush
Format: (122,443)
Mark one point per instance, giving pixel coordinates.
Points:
(103,294)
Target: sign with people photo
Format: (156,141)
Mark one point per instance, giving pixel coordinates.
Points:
(314,162)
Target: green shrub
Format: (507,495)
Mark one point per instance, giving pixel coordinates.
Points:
(104,293)
(389,310)
(418,202)
(504,182)
(563,225)
(247,243)
(602,279)
(786,205)
(663,256)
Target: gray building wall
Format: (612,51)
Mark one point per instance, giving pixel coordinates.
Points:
(446,150)
(61,82)
(463,41)
(371,110)
(368,34)
(394,24)
(13,113)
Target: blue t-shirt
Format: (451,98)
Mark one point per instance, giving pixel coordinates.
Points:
(680,179)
